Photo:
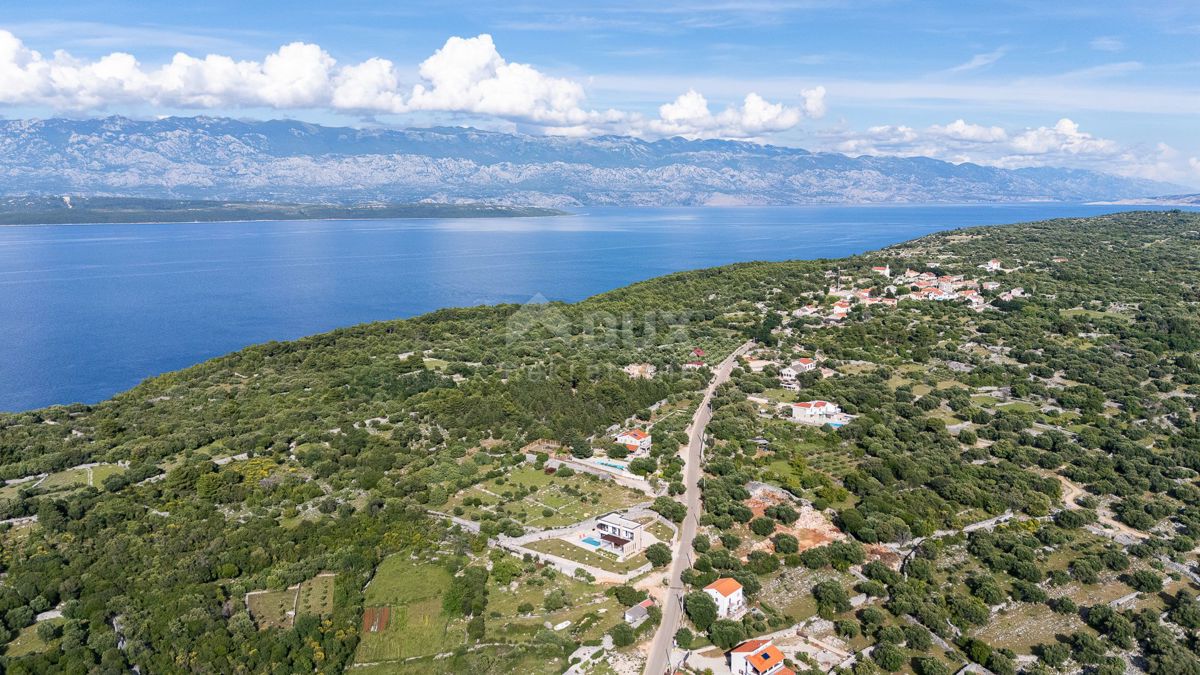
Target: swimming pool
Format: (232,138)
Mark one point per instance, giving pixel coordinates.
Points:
(591,541)
(612,465)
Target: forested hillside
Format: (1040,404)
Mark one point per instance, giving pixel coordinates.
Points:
(173,526)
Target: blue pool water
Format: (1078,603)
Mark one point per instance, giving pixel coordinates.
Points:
(590,541)
(87,311)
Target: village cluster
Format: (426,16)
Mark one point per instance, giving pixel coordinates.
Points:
(909,285)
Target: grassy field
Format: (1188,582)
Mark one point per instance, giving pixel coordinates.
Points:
(68,479)
(417,626)
(28,642)
(271,609)
(572,552)
(582,600)
(316,596)
(541,500)
(492,659)
(1096,314)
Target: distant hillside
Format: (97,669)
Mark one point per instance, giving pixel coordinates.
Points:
(56,210)
(1165,200)
(225,159)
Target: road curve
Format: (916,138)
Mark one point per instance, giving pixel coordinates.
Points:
(658,661)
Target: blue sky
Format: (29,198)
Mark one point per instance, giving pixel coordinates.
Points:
(1113,86)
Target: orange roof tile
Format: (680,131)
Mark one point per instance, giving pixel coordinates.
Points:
(766,658)
(725,586)
(751,646)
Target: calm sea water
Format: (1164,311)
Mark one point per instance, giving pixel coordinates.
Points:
(90,310)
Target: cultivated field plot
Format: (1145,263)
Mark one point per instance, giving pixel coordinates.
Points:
(410,593)
(542,500)
(68,479)
(272,609)
(278,609)
(316,596)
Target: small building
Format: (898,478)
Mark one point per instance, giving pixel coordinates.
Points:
(693,365)
(697,352)
(804,365)
(886,270)
(634,616)
(757,657)
(619,535)
(991,285)
(992,265)
(635,440)
(730,599)
(815,409)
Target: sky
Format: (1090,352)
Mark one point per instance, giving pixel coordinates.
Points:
(1104,84)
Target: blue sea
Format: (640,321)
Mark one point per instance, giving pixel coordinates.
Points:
(87,311)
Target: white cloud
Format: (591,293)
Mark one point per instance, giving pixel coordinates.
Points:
(962,131)
(1062,144)
(689,116)
(979,61)
(1063,137)
(467,75)
(1107,43)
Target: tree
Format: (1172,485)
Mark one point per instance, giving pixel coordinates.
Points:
(580,448)
(725,633)
(475,628)
(888,656)
(658,554)
(785,543)
(628,595)
(701,543)
(762,526)
(1144,581)
(622,635)
(670,509)
(700,608)
(683,638)
(831,598)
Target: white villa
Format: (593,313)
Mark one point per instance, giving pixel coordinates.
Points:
(620,535)
(727,593)
(992,265)
(815,409)
(804,365)
(635,440)
(757,657)
(886,270)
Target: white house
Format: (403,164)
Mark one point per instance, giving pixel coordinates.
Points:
(804,365)
(727,593)
(620,535)
(635,440)
(634,616)
(992,265)
(757,657)
(886,270)
(810,410)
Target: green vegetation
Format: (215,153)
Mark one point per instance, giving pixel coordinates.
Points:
(334,450)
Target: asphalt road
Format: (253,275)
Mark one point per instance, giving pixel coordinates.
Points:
(658,661)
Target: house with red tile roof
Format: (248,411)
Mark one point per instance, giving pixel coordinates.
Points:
(635,440)
(730,599)
(757,657)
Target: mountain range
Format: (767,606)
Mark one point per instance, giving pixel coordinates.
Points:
(284,160)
